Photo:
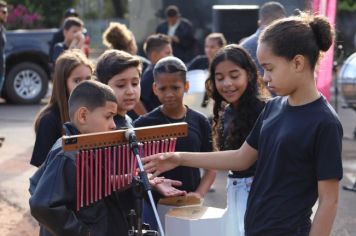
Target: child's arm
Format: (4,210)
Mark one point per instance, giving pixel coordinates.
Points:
(206,181)
(328,191)
(53,196)
(240,159)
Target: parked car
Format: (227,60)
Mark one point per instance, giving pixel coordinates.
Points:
(27,65)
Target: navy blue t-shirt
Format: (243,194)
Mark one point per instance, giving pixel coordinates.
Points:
(49,130)
(297,146)
(200,62)
(148,98)
(198,140)
(227,120)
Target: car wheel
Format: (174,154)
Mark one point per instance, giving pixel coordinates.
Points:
(26,83)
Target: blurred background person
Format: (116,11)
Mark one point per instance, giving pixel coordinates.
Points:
(156,47)
(180,30)
(118,36)
(73,37)
(58,37)
(213,42)
(269,12)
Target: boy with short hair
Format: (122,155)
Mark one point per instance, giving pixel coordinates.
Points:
(156,47)
(169,86)
(122,72)
(92,106)
(73,37)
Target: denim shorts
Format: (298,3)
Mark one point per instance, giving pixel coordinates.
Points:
(237,194)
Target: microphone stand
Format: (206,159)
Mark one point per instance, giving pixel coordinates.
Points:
(134,146)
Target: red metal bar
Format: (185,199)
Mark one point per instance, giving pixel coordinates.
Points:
(105,172)
(114,168)
(100,174)
(119,167)
(157,147)
(82,157)
(109,171)
(128,154)
(86,178)
(77,167)
(96,175)
(91,177)
(167,145)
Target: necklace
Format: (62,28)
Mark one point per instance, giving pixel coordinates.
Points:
(172,120)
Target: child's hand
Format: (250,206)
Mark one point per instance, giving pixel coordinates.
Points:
(161,162)
(78,41)
(166,187)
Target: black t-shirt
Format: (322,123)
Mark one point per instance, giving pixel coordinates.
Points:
(200,62)
(297,146)
(198,140)
(227,120)
(49,130)
(58,49)
(122,122)
(148,98)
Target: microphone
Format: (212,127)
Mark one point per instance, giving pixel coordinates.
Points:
(134,146)
(130,136)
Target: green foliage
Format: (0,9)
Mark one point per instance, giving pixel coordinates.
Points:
(51,10)
(109,10)
(346,5)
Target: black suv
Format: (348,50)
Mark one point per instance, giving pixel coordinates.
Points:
(28,68)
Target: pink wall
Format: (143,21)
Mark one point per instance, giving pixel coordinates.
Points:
(324,71)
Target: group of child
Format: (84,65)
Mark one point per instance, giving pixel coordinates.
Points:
(277,192)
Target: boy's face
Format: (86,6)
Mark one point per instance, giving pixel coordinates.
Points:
(98,120)
(164,52)
(170,89)
(72,33)
(126,86)
(211,48)
(78,74)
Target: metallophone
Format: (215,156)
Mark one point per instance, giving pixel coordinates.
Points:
(105,163)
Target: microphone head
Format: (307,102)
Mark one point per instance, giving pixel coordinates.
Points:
(129,134)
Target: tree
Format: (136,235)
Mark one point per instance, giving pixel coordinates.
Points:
(120,7)
(346,5)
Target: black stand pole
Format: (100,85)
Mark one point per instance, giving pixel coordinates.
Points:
(134,146)
(135,216)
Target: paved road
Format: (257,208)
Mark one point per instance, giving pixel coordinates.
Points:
(16,125)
